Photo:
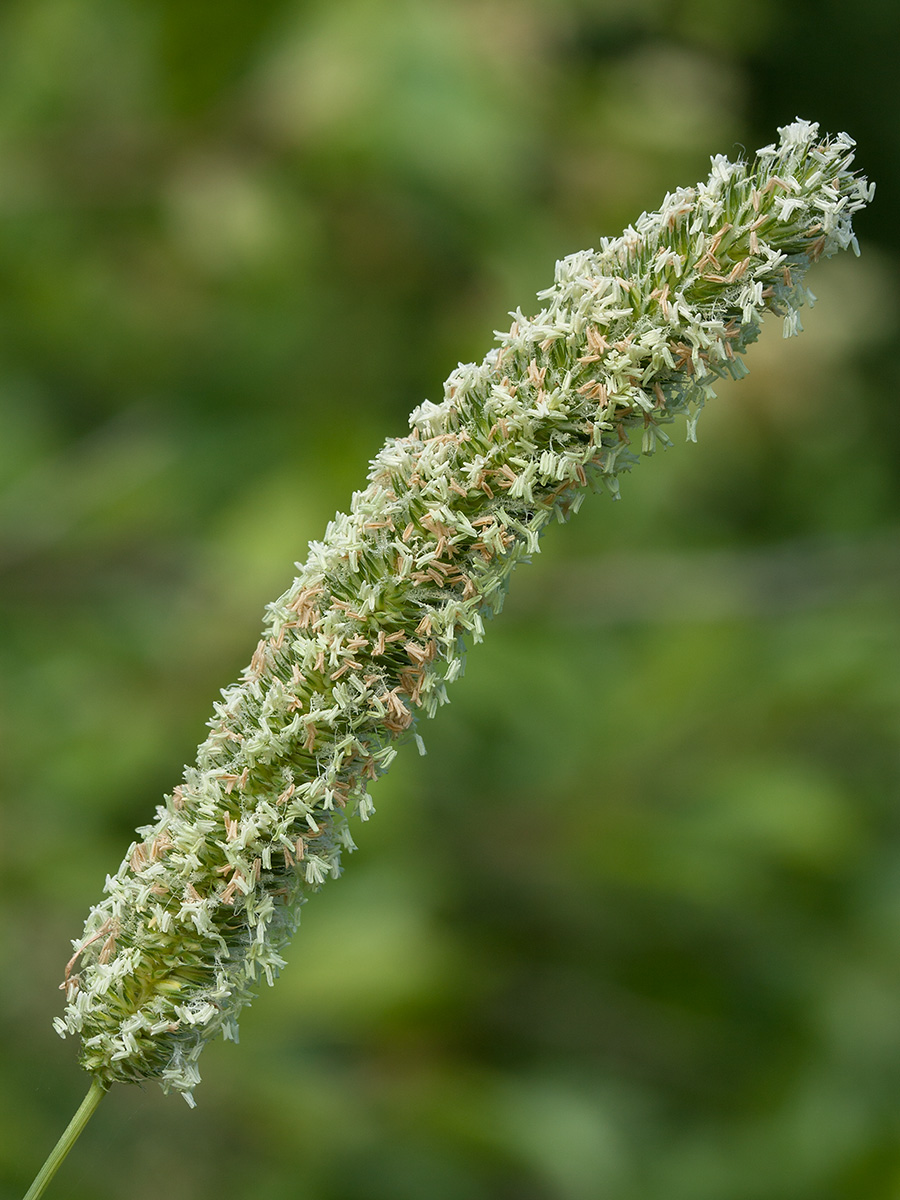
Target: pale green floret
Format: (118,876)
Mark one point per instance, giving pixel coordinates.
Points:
(373,627)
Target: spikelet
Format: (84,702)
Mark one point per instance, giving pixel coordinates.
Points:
(373,628)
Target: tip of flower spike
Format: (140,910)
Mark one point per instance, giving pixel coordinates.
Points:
(799,132)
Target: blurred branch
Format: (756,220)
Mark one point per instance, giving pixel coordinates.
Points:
(95,475)
(716,584)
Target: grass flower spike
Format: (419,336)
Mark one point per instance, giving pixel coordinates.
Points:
(372,630)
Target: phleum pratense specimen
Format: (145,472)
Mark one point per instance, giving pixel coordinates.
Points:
(373,628)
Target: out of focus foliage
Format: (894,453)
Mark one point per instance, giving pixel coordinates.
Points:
(632,929)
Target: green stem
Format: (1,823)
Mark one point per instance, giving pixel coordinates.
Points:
(96,1092)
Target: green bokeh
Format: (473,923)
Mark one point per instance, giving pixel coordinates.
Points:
(631,930)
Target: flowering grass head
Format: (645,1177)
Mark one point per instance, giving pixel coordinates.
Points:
(628,338)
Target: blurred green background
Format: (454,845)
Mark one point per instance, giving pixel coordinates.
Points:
(631,930)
